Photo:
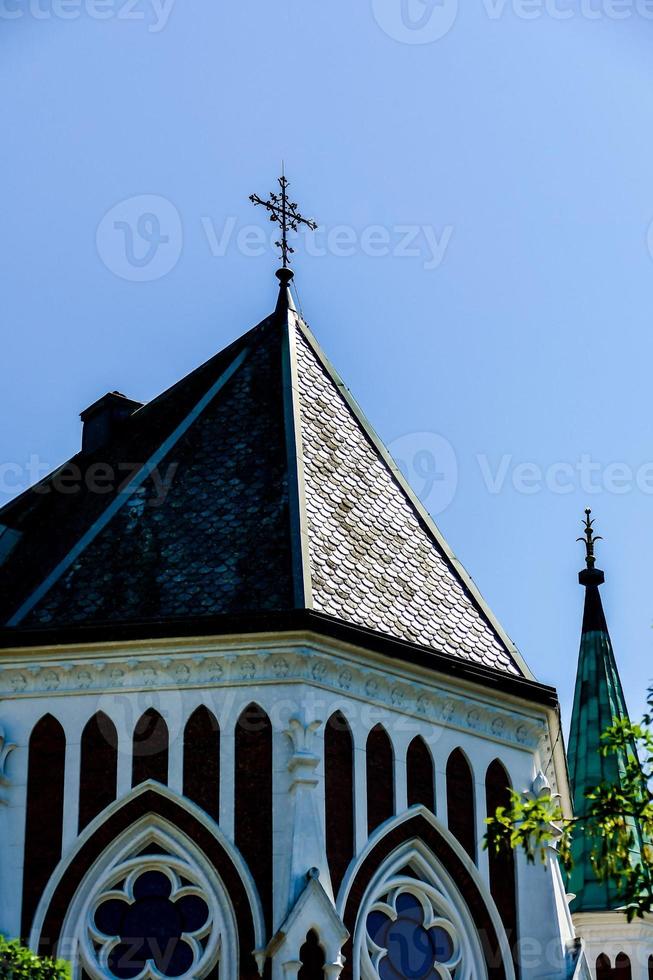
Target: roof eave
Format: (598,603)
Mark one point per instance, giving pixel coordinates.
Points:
(290,621)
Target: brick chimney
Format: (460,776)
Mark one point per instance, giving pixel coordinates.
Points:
(103,418)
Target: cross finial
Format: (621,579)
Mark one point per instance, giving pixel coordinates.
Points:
(284,212)
(589,539)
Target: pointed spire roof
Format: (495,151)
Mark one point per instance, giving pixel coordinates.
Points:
(255,486)
(598,701)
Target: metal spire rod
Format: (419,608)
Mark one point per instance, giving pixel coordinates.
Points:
(285,213)
(589,539)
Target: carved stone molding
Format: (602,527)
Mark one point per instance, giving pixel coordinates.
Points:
(304,761)
(329,670)
(6,748)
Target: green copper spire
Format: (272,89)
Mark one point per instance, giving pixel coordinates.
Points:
(598,700)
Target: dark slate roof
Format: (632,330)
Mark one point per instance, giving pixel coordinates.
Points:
(280,497)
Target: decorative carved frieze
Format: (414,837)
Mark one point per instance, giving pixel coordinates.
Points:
(339,674)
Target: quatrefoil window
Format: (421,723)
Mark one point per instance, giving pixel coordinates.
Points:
(408,942)
(151,925)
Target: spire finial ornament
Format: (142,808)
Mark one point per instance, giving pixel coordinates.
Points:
(284,212)
(590,575)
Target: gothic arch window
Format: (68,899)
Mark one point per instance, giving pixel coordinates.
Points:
(503,884)
(254,798)
(420,775)
(603,968)
(202,761)
(150,749)
(460,801)
(44,818)
(650,968)
(380,778)
(413,921)
(339,792)
(148,872)
(98,781)
(312,958)
(622,969)
(156,907)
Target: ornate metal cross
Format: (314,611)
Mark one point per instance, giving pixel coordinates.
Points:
(590,539)
(284,212)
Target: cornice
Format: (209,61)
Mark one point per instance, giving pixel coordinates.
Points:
(215,665)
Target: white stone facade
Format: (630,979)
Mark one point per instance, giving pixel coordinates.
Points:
(300,681)
(610,934)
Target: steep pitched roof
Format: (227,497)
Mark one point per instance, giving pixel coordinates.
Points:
(598,701)
(256,485)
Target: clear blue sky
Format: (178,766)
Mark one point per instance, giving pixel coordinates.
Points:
(522,146)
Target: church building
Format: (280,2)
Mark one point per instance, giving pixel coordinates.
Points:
(254,713)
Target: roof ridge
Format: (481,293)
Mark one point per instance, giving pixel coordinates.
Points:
(301,566)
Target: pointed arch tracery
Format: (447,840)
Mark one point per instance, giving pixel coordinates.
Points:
(503,881)
(603,968)
(202,761)
(420,774)
(461,811)
(379,765)
(339,796)
(253,804)
(413,875)
(44,812)
(98,782)
(154,847)
(622,967)
(150,749)
(312,958)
